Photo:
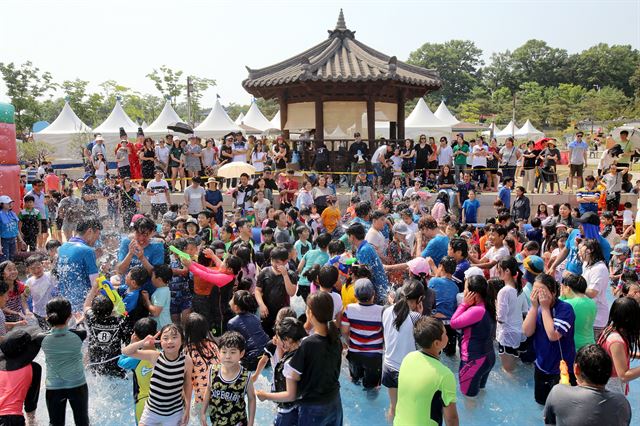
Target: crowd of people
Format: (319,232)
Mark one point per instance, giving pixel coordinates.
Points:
(194,303)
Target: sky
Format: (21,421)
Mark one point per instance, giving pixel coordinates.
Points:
(125,40)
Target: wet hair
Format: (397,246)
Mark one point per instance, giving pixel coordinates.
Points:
(31,260)
(595,364)
(52,244)
(623,318)
(102,306)
(145,327)
(410,290)
(234,263)
(427,330)
(280,253)
(197,335)
(496,283)
(323,240)
(536,222)
(459,244)
(144,224)
(327,276)
(549,282)
(245,301)
(448,264)
(362,209)
(336,247)
(28,198)
(139,275)
(629,277)
(300,229)
(575,282)
(321,306)
(532,246)
(286,312)
(163,272)
(357,231)
(267,231)
(291,328)
(232,340)
(90,224)
(595,251)
(478,284)
(511,264)
(58,311)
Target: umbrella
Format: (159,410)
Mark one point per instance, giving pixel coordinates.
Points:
(181,127)
(234,170)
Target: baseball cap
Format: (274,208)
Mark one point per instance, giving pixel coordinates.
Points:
(419,266)
(401,228)
(364,289)
(590,218)
(5,199)
(473,271)
(619,249)
(533,264)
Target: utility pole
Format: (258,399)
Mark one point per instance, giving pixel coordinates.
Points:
(189,89)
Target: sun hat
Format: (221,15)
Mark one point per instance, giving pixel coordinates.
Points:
(212,180)
(5,199)
(401,228)
(418,266)
(99,138)
(19,347)
(364,289)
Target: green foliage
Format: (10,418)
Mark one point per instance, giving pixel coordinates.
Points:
(603,65)
(167,81)
(234,110)
(608,103)
(268,107)
(198,86)
(535,61)
(37,151)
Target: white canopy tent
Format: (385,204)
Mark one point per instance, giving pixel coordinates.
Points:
(336,134)
(509,130)
(238,120)
(167,117)
(443,114)
(110,128)
(256,119)
(421,120)
(217,123)
(492,128)
(527,131)
(63,133)
(275,122)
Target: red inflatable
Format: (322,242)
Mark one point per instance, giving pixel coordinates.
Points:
(9,168)
(8,154)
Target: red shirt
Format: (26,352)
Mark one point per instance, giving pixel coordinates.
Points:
(14,386)
(51,182)
(289,184)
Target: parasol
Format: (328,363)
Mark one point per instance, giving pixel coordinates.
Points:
(234,170)
(181,127)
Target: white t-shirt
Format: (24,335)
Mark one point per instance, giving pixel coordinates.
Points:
(445,155)
(376,239)
(397,163)
(41,289)
(413,230)
(510,305)
(397,343)
(239,157)
(494,254)
(627,217)
(257,159)
(163,154)
(337,303)
(193,197)
(479,160)
(261,209)
(158,188)
(379,154)
(597,277)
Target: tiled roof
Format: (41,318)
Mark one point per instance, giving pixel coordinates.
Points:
(341,58)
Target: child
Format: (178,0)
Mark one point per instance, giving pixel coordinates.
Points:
(504,194)
(330,217)
(172,214)
(41,287)
(105,334)
(632,264)
(470,208)
(396,159)
(267,243)
(497,251)
(245,322)
(627,217)
(621,340)
(551,323)
(170,381)
(203,352)
(16,308)
(573,291)
(317,256)
(476,319)
(261,206)
(511,305)
(141,369)
(289,332)
(535,234)
(427,388)
(181,299)
(30,222)
(362,325)
(229,383)
(159,305)
(303,245)
(9,232)
(446,291)
(205,233)
(4,325)
(65,380)
(130,292)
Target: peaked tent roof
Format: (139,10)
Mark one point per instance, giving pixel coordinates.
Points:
(167,117)
(275,121)
(443,114)
(238,120)
(421,116)
(118,118)
(217,123)
(256,119)
(528,131)
(66,123)
(509,130)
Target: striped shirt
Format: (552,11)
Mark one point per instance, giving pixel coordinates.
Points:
(365,328)
(586,192)
(165,389)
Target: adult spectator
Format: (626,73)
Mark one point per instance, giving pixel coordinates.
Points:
(529,166)
(588,196)
(147,156)
(194,196)
(460,153)
(589,403)
(176,164)
(321,157)
(446,182)
(213,200)
(521,208)
(99,148)
(269,181)
(32,173)
(628,149)
(243,194)
(479,155)
(51,181)
(596,274)
(322,191)
(77,267)
(445,153)
(281,234)
(463,191)
(260,184)
(438,242)
(362,188)
(550,157)
(71,211)
(239,148)
(38,194)
(129,202)
(140,248)
(358,155)
(123,154)
(258,156)
(160,196)
(288,190)
(90,196)
(378,160)
(577,159)
(162,156)
(374,235)
(192,155)
(366,254)
(509,156)
(423,150)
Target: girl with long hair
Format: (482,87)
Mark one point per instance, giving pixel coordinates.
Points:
(15,308)
(441,207)
(201,347)
(511,305)
(596,273)
(175,164)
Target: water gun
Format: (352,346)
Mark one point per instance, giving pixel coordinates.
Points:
(179,252)
(564,373)
(106,288)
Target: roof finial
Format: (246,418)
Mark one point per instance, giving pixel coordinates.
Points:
(341,25)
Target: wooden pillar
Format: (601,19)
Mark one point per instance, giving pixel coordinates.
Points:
(371,123)
(400,118)
(393,130)
(283,115)
(319,120)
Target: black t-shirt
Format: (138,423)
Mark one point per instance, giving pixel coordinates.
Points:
(317,360)
(529,163)
(446,180)
(268,183)
(105,341)
(422,156)
(274,292)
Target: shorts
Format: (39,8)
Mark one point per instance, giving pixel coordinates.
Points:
(290,418)
(507,350)
(474,374)
(59,222)
(377,169)
(389,377)
(180,301)
(149,418)
(44,226)
(576,170)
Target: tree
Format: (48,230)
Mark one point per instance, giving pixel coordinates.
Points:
(603,65)
(499,73)
(477,107)
(502,100)
(531,103)
(535,61)
(607,103)
(25,84)
(269,107)
(37,151)
(86,106)
(167,81)
(563,104)
(456,61)
(199,85)
(634,81)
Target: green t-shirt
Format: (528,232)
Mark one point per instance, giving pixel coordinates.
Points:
(423,378)
(162,297)
(585,310)
(312,257)
(460,159)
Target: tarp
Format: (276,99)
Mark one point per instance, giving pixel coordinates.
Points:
(527,131)
(217,123)
(443,114)
(67,130)
(110,128)
(256,119)
(509,130)
(167,117)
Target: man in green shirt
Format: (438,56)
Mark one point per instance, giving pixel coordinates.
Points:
(426,388)
(460,154)
(573,291)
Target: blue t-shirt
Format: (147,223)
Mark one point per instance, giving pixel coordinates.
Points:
(312,257)
(76,264)
(548,353)
(471,210)
(574,264)
(367,255)
(130,299)
(458,275)
(505,196)
(436,249)
(446,291)
(154,252)
(162,297)
(8,224)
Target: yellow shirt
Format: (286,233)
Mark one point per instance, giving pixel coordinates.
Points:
(348,295)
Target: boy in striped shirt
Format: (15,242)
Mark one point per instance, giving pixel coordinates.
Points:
(362,325)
